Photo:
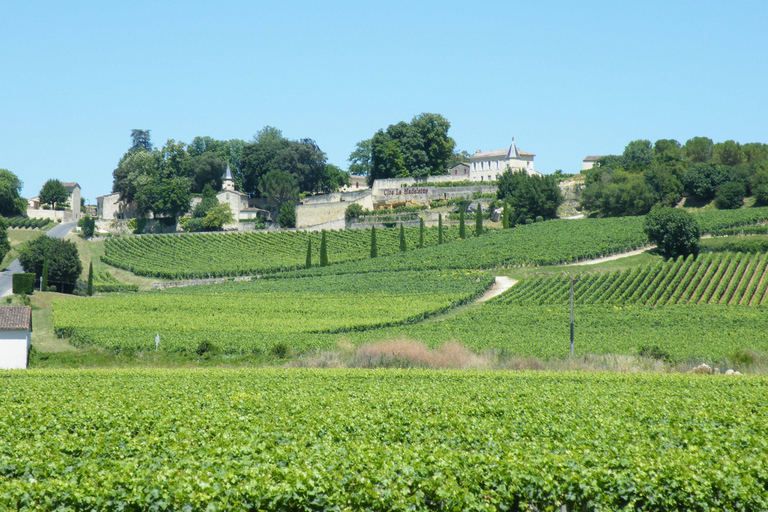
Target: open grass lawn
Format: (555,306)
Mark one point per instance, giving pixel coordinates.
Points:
(17,237)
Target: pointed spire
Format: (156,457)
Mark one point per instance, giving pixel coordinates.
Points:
(513,153)
(228,174)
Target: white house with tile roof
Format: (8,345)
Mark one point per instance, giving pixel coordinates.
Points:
(15,337)
(488,166)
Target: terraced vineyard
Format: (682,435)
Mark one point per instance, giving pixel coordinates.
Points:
(234,254)
(385,440)
(722,278)
(254,316)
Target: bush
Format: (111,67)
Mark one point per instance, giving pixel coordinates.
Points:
(52,288)
(730,196)
(23,283)
(191,224)
(137,225)
(207,348)
(279,350)
(539,219)
(64,266)
(674,231)
(287,216)
(353,211)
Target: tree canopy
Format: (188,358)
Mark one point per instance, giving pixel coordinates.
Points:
(529,196)
(419,148)
(674,231)
(53,192)
(64,266)
(11,202)
(658,175)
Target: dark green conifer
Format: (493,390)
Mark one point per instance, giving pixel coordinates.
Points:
(421,233)
(402,238)
(479,220)
(308,263)
(462,228)
(90,279)
(374,247)
(440,229)
(323,251)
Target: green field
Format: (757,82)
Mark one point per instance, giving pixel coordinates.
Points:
(249,317)
(381,440)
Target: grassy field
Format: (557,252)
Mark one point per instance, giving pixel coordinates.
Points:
(17,237)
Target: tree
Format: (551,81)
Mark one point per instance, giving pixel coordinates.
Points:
(44,276)
(206,169)
(530,195)
(638,155)
(308,263)
(462,228)
(419,148)
(11,202)
(728,153)
(88,225)
(331,179)
(360,159)
(140,140)
(217,216)
(421,233)
(134,171)
(730,195)
(90,279)
(286,217)
(279,187)
(439,229)
(674,231)
(53,192)
(353,212)
(64,266)
(323,251)
(703,179)
(374,247)
(173,197)
(403,247)
(698,149)
(479,220)
(505,216)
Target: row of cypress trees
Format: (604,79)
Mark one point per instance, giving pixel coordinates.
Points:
(403,245)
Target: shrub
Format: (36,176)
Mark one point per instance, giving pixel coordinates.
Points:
(730,195)
(23,283)
(529,221)
(674,231)
(52,288)
(207,348)
(279,350)
(353,211)
(287,216)
(137,225)
(539,218)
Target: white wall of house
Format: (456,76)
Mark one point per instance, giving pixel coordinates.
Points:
(14,349)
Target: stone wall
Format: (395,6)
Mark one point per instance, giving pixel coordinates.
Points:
(63,215)
(314,213)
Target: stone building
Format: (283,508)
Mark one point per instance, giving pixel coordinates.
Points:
(15,337)
(488,166)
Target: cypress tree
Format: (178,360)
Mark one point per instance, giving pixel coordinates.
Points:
(374,248)
(479,220)
(421,233)
(505,219)
(323,252)
(44,282)
(462,228)
(440,229)
(90,279)
(308,264)
(402,238)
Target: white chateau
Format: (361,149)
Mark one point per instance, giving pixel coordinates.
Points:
(489,166)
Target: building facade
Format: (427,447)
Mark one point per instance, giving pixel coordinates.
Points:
(488,166)
(15,337)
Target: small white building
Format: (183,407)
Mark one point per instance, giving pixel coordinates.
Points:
(15,337)
(73,189)
(460,169)
(356,182)
(489,166)
(590,161)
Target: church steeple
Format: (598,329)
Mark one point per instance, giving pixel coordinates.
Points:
(513,152)
(228,182)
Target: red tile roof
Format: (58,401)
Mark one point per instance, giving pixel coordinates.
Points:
(14,318)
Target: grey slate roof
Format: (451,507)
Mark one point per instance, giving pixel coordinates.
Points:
(14,318)
(228,174)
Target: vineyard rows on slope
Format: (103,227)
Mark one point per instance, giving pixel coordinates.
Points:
(721,278)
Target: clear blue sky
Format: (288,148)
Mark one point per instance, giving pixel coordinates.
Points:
(566,79)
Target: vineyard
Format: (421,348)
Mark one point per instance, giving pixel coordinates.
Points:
(233,254)
(722,278)
(252,316)
(384,440)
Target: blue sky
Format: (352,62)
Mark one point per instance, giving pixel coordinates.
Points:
(567,79)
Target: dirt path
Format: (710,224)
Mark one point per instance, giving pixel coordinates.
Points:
(613,257)
(502,284)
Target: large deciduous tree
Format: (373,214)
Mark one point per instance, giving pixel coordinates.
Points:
(53,192)
(531,196)
(279,187)
(64,266)
(419,148)
(206,169)
(11,202)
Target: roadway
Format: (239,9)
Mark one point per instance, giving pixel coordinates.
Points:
(6,276)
